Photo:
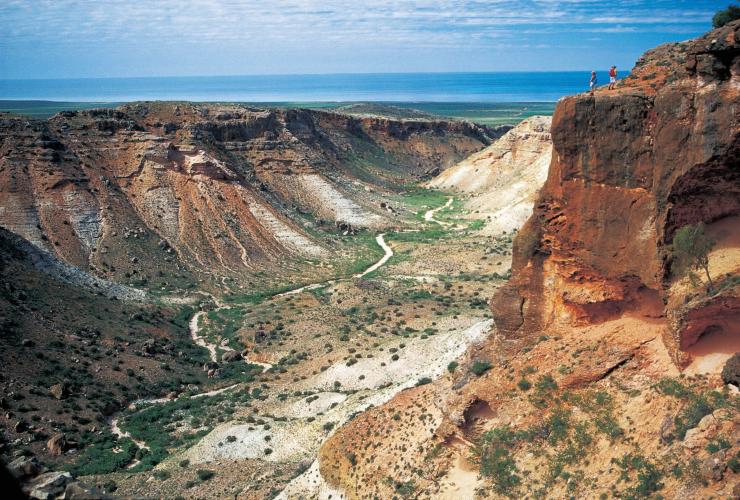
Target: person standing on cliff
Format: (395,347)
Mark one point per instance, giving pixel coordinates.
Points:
(592,82)
(612,77)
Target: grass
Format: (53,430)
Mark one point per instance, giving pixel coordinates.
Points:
(180,423)
(98,457)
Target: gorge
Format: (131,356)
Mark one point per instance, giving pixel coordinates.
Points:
(215,300)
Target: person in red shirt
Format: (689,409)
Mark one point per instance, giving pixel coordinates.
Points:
(612,77)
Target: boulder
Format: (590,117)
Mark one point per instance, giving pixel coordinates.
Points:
(150,346)
(57,445)
(81,491)
(231,356)
(48,485)
(59,391)
(713,468)
(731,370)
(25,467)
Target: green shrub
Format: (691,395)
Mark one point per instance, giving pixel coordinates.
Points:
(497,464)
(405,489)
(480,367)
(546,384)
(734,463)
(647,474)
(689,417)
(524,384)
(691,247)
(110,486)
(722,17)
(719,443)
(607,424)
(162,474)
(423,381)
(452,366)
(205,474)
(98,456)
(558,425)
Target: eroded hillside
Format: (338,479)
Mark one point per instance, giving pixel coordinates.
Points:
(603,376)
(160,195)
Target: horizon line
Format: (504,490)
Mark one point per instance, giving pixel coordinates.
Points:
(301,74)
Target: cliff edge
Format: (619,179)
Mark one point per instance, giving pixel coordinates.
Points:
(629,167)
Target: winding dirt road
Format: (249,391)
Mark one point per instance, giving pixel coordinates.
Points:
(429,214)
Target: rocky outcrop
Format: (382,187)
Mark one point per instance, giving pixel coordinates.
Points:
(505,177)
(629,167)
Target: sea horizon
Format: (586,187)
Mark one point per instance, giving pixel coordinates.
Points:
(481,87)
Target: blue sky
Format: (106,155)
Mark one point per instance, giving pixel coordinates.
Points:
(98,38)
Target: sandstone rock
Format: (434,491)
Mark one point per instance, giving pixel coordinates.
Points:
(81,491)
(59,391)
(57,445)
(626,173)
(231,356)
(48,485)
(714,467)
(731,370)
(696,437)
(25,467)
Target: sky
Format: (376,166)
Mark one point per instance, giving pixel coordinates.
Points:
(117,38)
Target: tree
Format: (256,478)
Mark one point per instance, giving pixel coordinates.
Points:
(691,247)
(723,17)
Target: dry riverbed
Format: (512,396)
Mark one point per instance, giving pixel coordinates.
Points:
(330,351)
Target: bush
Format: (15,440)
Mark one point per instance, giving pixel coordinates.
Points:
(722,17)
(480,367)
(691,247)
(205,474)
(689,417)
(162,474)
(558,425)
(497,464)
(423,381)
(524,384)
(648,476)
(110,486)
(452,366)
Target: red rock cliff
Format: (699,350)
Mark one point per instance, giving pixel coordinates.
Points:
(629,167)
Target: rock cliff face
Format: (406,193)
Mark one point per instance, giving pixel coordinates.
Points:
(155,190)
(630,167)
(503,179)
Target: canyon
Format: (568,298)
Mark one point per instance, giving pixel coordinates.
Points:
(215,300)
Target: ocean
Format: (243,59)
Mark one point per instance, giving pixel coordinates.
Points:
(498,87)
